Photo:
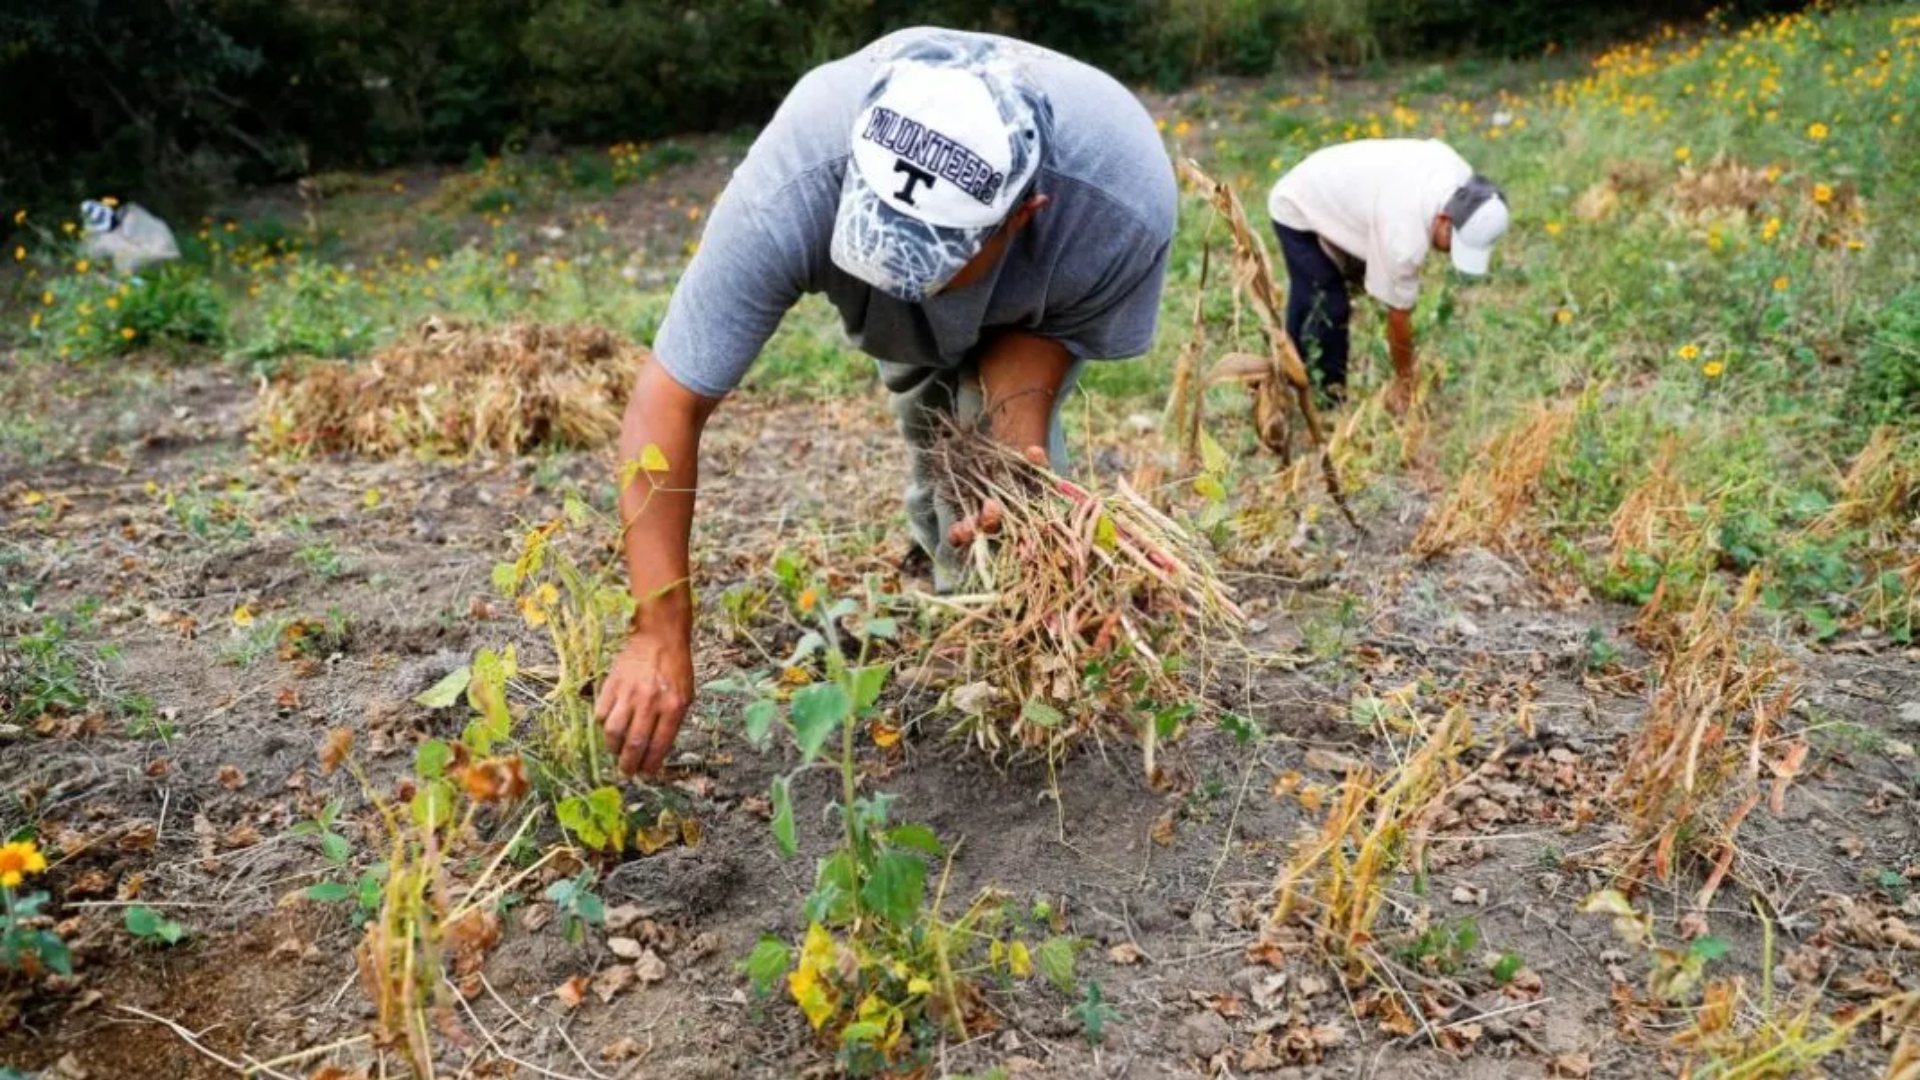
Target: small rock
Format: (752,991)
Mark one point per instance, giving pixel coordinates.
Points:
(612,981)
(650,968)
(625,948)
(1204,1033)
(1202,922)
(621,917)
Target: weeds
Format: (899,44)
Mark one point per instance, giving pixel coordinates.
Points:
(26,943)
(149,926)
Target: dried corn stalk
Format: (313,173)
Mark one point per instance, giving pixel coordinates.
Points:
(1270,378)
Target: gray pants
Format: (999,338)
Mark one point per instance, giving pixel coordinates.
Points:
(924,399)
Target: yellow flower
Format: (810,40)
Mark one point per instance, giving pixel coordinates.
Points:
(109,201)
(17,860)
(1553,228)
(1712,369)
(1770,230)
(1816,131)
(19,217)
(243,616)
(513,259)
(1681,153)
(1856,244)
(1780,283)
(113,302)
(1689,351)
(81,266)
(919,984)
(68,227)
(1822,193)
(1180,129)
(1563,316)
(47,298)
(128,333)
(20,254)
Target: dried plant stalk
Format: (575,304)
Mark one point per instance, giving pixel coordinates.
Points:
(1376,824)
(1691,772)
(1487,500)
(453,388)
(1093,603)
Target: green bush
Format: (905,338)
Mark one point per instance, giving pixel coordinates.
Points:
(94,313)
(1886,385)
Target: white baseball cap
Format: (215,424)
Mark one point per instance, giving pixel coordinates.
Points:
(946,143)
(1478,211)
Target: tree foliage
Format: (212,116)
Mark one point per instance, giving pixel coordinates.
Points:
(170,100)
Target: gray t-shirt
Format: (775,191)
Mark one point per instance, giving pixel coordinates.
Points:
(1086,271)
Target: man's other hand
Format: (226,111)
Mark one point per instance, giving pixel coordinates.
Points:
(645,698)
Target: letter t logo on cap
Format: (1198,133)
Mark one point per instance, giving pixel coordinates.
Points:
(915,176)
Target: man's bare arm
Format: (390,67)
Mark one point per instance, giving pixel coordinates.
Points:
(650,685)
(1020,376)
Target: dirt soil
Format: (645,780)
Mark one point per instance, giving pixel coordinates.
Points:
(1167,885)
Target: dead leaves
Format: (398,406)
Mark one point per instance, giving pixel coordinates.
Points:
(334,751)
(1577,1065)
(1302,1044)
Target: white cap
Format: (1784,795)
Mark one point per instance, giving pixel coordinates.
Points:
(1476,230)
(947,140)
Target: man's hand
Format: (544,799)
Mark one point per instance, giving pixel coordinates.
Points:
(644,699)
(1399,395)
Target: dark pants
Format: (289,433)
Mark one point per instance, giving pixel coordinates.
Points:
(1317,306)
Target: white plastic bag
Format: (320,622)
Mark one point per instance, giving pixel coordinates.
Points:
(131,236)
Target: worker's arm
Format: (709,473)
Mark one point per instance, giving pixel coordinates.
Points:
(1020,376)
(1400,347)
(650,685)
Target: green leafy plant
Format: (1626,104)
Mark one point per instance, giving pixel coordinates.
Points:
(879,969)
(153,928)
(1445,948)
(577,904)
(42,672)
(334,846)
(1094,1014)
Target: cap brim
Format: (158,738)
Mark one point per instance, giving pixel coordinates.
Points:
(902,256)
(1469,259)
